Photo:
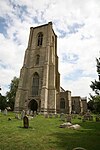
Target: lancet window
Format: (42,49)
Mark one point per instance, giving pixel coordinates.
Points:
(40,39)
(35,85)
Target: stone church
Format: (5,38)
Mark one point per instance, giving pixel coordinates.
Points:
(39,85)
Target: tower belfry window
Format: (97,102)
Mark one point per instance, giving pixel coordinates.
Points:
(40,39)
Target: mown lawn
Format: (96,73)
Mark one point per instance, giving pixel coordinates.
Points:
(45,134)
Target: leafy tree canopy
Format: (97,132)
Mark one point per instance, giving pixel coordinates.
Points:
(94,103)
(10,96)
(3,102)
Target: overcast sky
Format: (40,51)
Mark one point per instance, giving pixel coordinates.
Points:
(77,26)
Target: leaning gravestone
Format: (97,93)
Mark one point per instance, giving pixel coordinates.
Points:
(28,112)
(35,113)
(26,122)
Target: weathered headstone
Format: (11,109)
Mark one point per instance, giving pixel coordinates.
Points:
(35,113)
(98,118)
(88,117)
(50,115)
(68,118)
(5,112)
(22,114)
(62,117)
(28,112)
(56,115)
(26,122)
(46,115)
(17,116)
(31,113)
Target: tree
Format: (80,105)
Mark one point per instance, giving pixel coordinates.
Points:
(96,84)
(10,96)
(3,102)
(94,103)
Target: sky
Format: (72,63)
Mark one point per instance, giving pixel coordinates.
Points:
(77,26)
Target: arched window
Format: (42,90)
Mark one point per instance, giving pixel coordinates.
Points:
(62,103)
(35,85)
(40,39)
(37,59)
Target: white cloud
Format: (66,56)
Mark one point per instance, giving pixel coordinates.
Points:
(77,25)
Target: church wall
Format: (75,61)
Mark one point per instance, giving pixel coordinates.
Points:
(83,105)
(67,97)
(76,104)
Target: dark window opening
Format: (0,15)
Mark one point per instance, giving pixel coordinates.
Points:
(62,103)
(40,39)
(35,86)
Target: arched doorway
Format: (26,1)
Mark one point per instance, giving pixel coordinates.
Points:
(33,105)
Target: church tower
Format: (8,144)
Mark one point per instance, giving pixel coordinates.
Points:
(39,82)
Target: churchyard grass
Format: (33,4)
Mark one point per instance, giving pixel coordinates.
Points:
(45,134)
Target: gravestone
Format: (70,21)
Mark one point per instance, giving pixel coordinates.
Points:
(46,115)
(98,118)
(5,112)
(68,118)
(26,122)
(22,114)
(88,117)
(28,112)
(62,117)
(0,110)
(17,116)
(56,115)
(61,114)
(35,113)
(31,113)
(50,115)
